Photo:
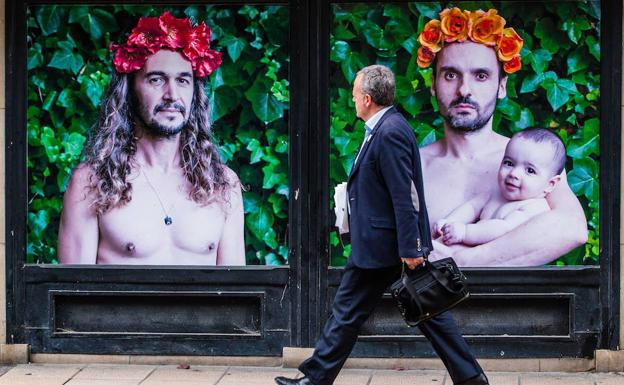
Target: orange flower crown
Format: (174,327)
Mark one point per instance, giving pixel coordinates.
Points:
(167,32)
(482,27)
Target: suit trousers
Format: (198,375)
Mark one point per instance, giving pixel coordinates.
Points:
(359,293)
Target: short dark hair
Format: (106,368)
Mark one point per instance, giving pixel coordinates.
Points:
(543,135)
(378,82)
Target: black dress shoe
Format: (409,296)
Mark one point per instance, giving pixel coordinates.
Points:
(481,379)
(292,381)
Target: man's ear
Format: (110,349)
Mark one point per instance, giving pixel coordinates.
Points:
(502,87)
(552,183)
(432,88)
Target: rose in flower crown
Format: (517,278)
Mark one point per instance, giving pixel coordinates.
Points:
(482,27)
(167,32)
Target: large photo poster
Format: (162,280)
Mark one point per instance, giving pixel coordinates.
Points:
(470,76)
(158,135)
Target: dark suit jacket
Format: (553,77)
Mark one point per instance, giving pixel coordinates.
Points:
(388,217)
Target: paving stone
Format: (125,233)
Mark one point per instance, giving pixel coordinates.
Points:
(353,377)
(549,379)
(29,380)
(91,381)
(255,376)
(44,370)
(615,380)
(174,382)
(115,372)
(408,377)
(207,375)
(503,379)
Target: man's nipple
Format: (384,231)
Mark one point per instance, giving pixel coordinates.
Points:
(130,248)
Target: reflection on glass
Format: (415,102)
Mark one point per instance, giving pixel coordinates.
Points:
(154,182)
(557,87)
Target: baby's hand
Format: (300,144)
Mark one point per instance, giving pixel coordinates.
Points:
(437,228)
(453,233)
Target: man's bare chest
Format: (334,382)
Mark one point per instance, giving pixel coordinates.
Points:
(448,185)
(139,229)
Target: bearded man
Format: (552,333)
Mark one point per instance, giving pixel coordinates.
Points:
(472,54)
(153,189)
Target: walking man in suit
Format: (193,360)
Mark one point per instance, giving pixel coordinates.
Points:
(388,224)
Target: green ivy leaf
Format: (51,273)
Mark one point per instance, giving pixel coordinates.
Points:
(339,51)
(548,34)
(260,221)
(580,149)
(38,222)
(35,58)
(429,10)
(73,144)
(66,99)
(272,177)
(235,46)
(224,100)
(50,18)
(266,107)
(281,146)
(531,82)
(51,144)
(251,202)
(577,61)
(583,179)
(575,28)
(256,149)
(539,60)
(556,96)
(94,21)
(525,120)
(594,46)
(49,100)
(66,60)
(567,85)
(93,90)
(341,32)
(411,44)
(426,134)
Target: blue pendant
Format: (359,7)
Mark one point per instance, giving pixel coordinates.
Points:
(168,220)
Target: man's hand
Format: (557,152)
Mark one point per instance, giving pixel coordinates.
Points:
(412,263)
(453,233)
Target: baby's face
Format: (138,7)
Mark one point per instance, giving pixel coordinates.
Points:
(526,170)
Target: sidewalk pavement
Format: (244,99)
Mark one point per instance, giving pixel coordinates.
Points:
(103,374)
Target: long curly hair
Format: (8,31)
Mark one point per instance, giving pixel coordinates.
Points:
(112,144)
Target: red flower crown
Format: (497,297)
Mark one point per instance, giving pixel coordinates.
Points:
(480,27)
(167,32)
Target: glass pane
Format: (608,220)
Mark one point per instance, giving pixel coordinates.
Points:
(557,88)
(161,202)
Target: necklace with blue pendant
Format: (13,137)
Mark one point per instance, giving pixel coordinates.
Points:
(168,220)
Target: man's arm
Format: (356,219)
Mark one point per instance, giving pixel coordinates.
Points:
(78,231)
(465,213)
(487,230)
(396,157)
(539,240)
(231,251)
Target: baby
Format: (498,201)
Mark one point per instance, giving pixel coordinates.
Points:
(531,168)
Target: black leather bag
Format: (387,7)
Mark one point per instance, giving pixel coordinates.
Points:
(429,290)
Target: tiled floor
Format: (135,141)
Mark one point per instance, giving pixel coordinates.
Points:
(100,374)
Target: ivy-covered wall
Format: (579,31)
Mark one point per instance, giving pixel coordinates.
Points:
(69,67)
(558,86)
